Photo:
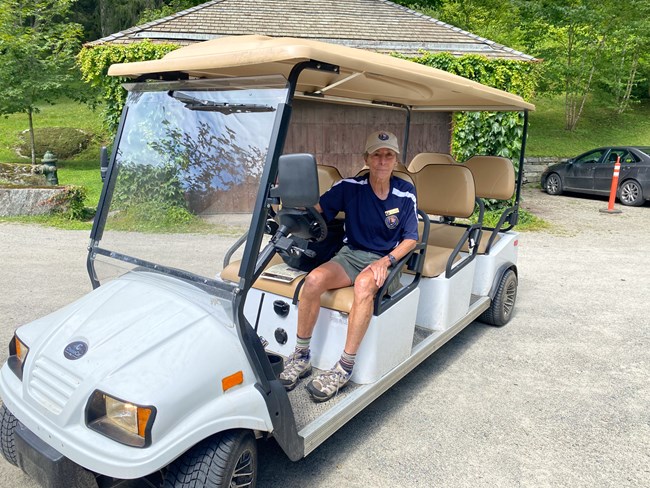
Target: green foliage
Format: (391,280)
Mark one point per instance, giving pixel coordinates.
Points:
(94,63)
(37,48)
(146,184)
(64,142)
(487,133)
(527,221)
(167,9)
(70,203)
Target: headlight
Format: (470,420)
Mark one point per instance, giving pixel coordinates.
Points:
(122,421)
(17,353)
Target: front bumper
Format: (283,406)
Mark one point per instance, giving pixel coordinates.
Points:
(46,465)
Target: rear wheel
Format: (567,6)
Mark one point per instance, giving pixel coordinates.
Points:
(222,461)
(7,435)
(553,184)
(501,308)
(630,193)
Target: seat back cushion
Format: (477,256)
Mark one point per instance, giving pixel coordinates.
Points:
(494,176)
(421,160)
(327,176)
(445,189)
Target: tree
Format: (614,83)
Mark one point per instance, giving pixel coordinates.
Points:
(37,54)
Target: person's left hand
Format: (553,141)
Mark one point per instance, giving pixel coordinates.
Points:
(379,270)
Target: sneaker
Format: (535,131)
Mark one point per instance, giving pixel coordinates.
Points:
(327,384)
(297,366)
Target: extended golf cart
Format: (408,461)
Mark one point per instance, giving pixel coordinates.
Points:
(172,356)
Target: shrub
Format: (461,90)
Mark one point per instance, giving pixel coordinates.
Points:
(64,142)
(70,203)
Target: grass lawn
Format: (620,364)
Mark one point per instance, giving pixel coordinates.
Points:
(598,126)
(81,170)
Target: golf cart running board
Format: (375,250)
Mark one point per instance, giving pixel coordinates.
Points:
(330,416)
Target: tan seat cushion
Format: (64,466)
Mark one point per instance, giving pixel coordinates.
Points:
(340,299)
(444,235)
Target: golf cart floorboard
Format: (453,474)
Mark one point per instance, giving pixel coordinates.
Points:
(305,410)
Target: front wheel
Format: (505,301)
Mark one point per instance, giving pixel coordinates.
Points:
(631,193)
(8,434)
(222,461)
(553,184)
(501,308)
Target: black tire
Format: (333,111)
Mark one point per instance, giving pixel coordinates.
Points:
(630,193)
(7,435)
(224,460)
(500,311)
(553,184)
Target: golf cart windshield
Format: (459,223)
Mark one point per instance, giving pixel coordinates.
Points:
(189,157)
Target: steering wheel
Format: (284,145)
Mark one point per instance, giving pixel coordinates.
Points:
(306,223)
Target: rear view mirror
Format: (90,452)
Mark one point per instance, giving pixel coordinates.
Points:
(103,162)
(297,181)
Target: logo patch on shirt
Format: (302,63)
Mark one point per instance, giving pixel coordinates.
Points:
(392,211)
(391,221)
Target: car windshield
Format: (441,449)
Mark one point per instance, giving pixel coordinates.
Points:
(187,169)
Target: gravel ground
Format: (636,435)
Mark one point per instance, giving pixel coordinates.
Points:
(558,397)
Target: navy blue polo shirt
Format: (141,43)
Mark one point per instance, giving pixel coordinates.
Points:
(372,224)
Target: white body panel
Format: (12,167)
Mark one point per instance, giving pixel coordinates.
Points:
(504,252)
(152,340)
(387,342)
(445,300)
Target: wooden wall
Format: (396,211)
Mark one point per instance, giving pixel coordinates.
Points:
(336,134)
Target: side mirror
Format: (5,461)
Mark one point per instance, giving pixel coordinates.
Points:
(103,162)
(297,181)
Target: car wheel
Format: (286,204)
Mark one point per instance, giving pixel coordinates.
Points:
(7,435)
(222,461)
(630,193)
(553,184)
(501,308)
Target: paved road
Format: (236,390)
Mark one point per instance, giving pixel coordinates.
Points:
(559,397)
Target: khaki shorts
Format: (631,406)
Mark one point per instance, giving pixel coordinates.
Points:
(355,261)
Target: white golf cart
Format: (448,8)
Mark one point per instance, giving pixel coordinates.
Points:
(162,367)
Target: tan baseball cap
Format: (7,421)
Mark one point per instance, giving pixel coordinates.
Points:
(381,139)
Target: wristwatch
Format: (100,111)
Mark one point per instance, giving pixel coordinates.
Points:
(392,259)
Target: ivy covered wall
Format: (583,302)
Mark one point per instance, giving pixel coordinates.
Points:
(487,133)
(94,63)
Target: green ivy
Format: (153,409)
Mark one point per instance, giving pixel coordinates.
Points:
(94,62)
(487,133)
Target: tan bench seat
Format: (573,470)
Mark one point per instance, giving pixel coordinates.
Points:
(444,235)
(340,299)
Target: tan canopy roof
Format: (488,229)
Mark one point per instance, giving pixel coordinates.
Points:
(363,75)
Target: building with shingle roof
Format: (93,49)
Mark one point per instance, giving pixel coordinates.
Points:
(376,25)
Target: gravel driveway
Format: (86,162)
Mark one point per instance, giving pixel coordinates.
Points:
(558,397)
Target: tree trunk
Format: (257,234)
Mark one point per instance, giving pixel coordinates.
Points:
(630,83)
(32,144)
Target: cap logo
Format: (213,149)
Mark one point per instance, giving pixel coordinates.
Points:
(383,136)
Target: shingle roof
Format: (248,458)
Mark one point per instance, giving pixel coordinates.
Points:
(377,25)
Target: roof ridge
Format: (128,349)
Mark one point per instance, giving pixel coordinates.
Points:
(491,43)
(153,23)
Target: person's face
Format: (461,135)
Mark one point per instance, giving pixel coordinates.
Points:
(381,162)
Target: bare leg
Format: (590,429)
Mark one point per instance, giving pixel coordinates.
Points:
(328,276)
(365,289)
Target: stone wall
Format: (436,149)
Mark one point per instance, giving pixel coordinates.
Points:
(534,167)
(27,201)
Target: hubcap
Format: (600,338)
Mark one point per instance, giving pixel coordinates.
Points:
(552,184)
(509,298)
(629,193)
(243,474)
